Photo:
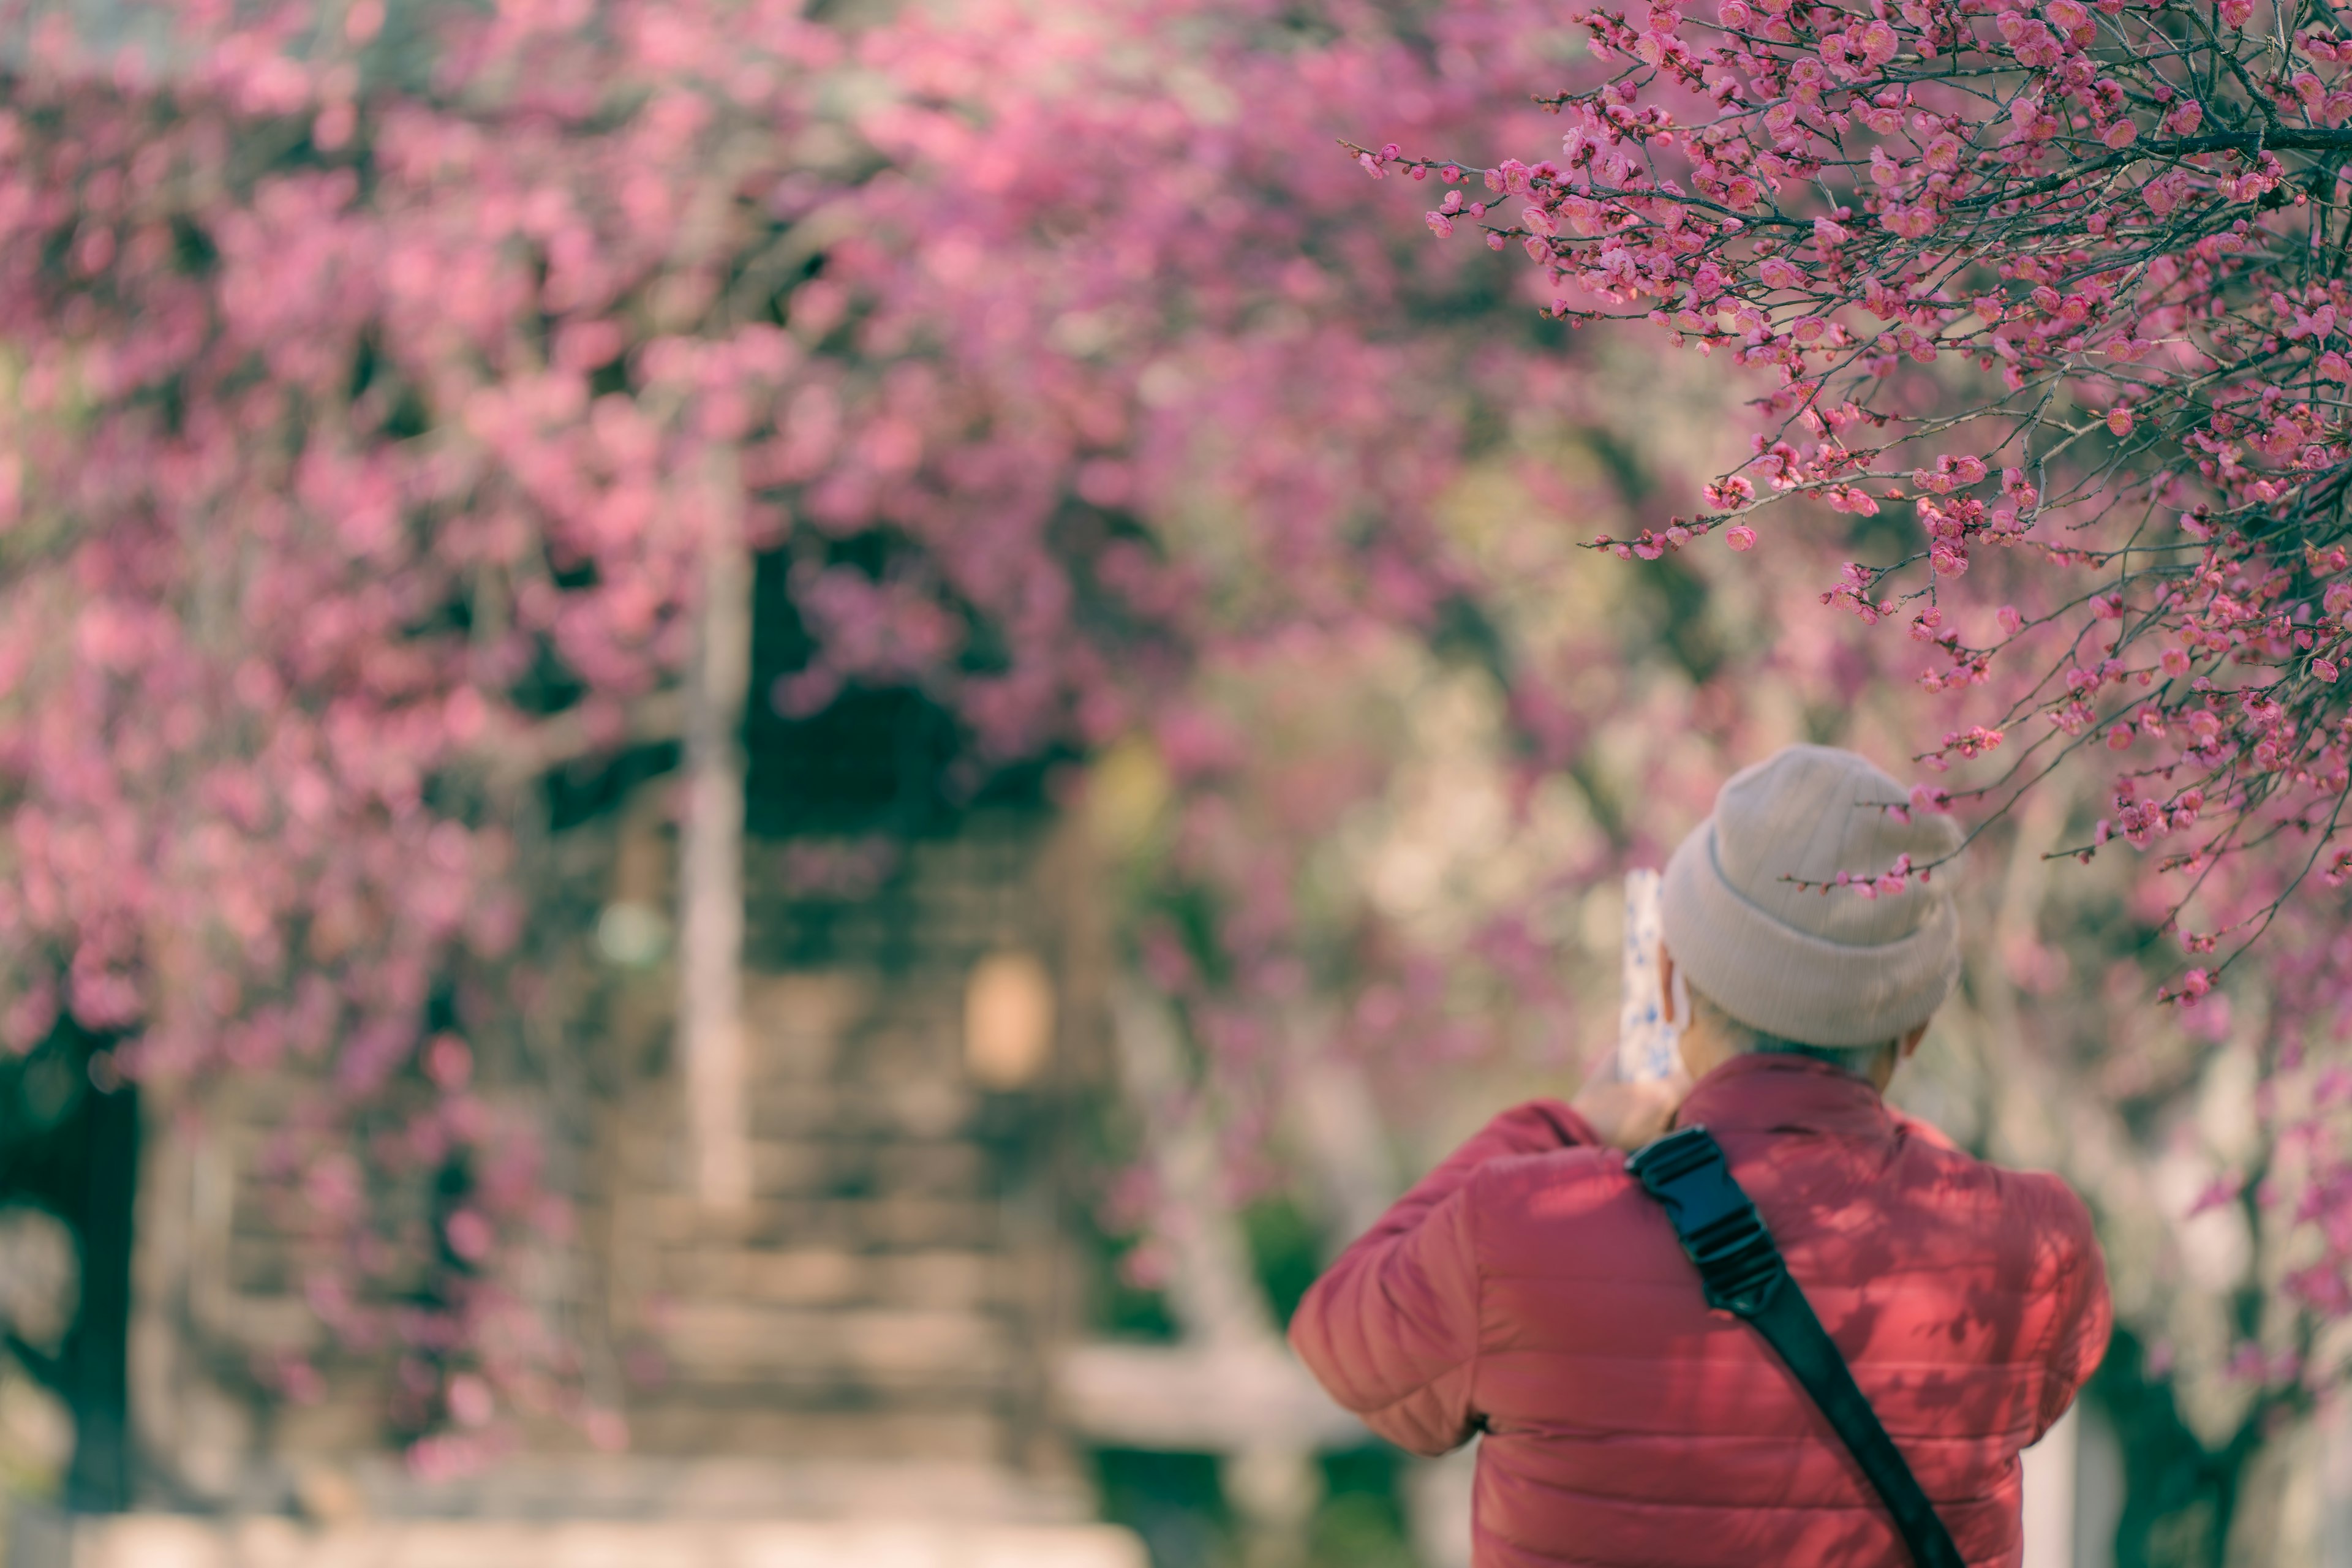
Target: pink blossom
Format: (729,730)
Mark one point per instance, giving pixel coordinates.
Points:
(470,1404)
(1910,222)
(469,1235)
(447,1062)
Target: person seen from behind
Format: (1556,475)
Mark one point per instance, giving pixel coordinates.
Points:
(1530,1291)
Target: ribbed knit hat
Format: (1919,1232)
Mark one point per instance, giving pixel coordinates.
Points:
(1850,967)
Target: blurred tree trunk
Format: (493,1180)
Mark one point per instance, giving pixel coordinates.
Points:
(711,860)
(96,1364)
(1213,1284)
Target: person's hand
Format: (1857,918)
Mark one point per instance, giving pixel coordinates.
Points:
(1628,1115)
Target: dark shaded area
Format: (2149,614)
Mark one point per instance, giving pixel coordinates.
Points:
(886,761)
(1174,1501)
(1286,1245)
(72,1148)
(2179,1496)
(1361,1523)
(97,1357)
(875,760)
(579,794)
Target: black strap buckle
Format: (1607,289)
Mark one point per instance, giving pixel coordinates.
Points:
(1720,1230)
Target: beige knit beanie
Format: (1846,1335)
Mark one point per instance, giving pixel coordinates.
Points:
(1744,912)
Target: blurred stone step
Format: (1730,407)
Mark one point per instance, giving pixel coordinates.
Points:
(891,1044)
(162,1541)
(916,1105)
(857,1223)
(868,1348)
(700,1421)
(926,1107)
(818,1025)
(821,1166)
(930,1106)
(829,1276)
(920,1103)
(263,1264)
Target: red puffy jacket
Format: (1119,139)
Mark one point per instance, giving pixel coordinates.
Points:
(1529,1289)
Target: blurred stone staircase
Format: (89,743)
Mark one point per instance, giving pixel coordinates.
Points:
(877,1298)
(853,1367)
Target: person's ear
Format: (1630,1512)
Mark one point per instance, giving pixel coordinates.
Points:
(1909,1045)
(1666,984)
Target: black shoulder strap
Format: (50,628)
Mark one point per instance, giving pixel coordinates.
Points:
(1744,1274)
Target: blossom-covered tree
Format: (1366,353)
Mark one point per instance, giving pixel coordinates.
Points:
(393,393)
(2063,284)
(2061,280)
(366,385)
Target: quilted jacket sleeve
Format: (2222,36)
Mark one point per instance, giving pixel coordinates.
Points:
(1391,1331)
(2085,1314)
